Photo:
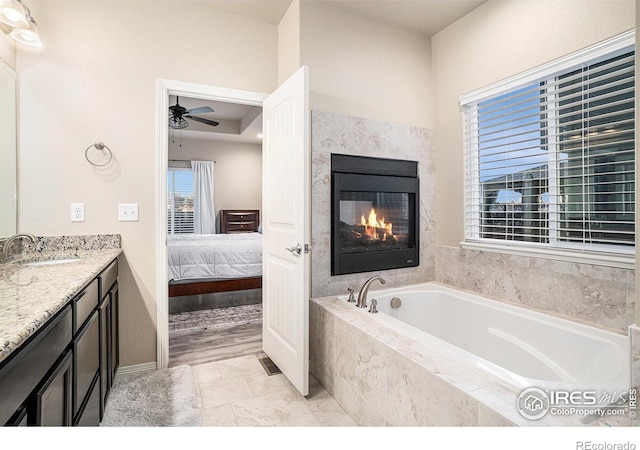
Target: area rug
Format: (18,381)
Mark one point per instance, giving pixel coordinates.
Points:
(214,318)
(162,398)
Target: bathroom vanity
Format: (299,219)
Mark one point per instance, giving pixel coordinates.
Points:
(58,338)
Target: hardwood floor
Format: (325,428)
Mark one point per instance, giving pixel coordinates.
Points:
(201,346)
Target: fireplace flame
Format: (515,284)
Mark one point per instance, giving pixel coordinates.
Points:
(374,227)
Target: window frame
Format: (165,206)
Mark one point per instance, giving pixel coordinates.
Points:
(615,256)
(171,223)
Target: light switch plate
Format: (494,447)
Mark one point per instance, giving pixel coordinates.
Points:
(128,212)
(77,212)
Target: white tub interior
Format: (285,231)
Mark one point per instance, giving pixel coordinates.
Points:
(523,347)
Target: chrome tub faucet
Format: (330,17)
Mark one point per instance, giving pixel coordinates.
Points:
(362,296)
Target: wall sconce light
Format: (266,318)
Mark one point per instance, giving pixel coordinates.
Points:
(18,16)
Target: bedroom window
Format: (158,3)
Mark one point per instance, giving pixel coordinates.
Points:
(180,195)
(551,155)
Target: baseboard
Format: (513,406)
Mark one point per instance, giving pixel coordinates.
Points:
(144,367)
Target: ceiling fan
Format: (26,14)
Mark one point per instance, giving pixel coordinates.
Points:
(178,115)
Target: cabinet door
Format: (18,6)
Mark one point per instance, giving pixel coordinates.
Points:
(114,360)
(86,356)
(109,344)
(105,350)
(90,415)
(52,401)
(19,419)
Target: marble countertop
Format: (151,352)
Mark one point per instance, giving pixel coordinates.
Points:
(30,294)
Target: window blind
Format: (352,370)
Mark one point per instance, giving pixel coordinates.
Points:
(180,196)
(552,161)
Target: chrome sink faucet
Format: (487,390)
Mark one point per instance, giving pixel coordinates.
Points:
(362,296)
(5,244)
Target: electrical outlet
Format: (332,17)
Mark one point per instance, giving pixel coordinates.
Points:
(128,212)
(77,212)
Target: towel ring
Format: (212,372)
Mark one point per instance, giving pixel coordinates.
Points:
(99,146)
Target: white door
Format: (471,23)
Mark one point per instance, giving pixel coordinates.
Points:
(286,225)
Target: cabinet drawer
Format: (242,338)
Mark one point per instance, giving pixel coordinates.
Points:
(84,304)
(86,358)
(20,375)
(242,217)
(107,278)
(241,226)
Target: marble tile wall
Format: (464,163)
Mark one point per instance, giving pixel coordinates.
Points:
(597,295)
(347,135)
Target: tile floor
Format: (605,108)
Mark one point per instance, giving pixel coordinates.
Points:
(223,347)
(238,393)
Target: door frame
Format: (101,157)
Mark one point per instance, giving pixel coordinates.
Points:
(164,88)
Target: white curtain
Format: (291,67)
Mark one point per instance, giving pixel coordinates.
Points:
(204,216)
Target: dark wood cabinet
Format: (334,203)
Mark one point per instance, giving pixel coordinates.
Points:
(239,220)
(52,401)
(90,416)
(62,375)
(24,371)
(109,335)
(86,357)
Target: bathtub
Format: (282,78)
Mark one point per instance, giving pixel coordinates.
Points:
(522,347)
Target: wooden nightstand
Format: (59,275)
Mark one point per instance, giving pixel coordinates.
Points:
(239,220)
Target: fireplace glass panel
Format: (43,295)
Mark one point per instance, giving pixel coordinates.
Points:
(373,221)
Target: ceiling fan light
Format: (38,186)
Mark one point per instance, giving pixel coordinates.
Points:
(29,35)
(178,122)
(13,14)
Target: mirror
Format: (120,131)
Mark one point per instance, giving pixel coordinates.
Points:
(8,164)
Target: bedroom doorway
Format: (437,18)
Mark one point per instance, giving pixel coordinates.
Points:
(214,190)
(181,102)
(286,264)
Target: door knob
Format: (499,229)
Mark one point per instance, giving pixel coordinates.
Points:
(295,250)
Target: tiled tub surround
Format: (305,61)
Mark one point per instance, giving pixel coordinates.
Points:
(385,378)
(597,295)
(31,294)
(348,135)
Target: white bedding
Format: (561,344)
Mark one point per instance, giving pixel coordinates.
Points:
(222,256)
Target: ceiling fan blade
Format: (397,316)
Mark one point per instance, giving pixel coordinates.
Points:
(201,110)
(213,123)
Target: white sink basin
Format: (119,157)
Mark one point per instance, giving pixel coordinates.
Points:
(51,262)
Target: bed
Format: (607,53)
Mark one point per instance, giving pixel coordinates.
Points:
(209,263)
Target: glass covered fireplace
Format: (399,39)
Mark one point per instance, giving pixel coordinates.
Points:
(374,214)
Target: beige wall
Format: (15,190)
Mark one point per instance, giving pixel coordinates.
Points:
(364,67)
(495,41)
(95,80)
(289,42)
(238,170)
(7,139)
(7,49)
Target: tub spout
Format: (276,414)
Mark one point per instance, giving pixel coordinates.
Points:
(362,296)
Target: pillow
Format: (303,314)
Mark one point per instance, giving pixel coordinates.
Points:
(260,228)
